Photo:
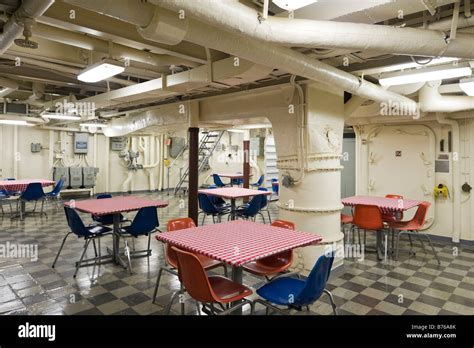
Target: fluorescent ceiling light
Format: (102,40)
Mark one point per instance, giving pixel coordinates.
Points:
(16,122)
(101,71)
(60,116)
(93,124)
(467,85)
(255,126)
(428,74)
(403,66)
(291,5)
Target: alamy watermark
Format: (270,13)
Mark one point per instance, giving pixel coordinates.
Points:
(84,109)
(19,251)
(395,108)
(348,251)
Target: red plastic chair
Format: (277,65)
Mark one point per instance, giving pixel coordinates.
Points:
(367,217)
(273,264)
(170,256)
(413,227)
(208,289)
(346,219)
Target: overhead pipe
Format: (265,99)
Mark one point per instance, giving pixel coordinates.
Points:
(8,86)
(328,34)
(431,100)
(264,53)
(13,28)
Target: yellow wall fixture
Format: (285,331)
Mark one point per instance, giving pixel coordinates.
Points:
(441,191)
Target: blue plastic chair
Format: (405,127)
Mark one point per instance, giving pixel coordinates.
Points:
(89,233)
(259,182)
(275,188)
(10,179)
(265,203)
(219,202)
(208,208)
(298,293)
(143,224)
(252,209)
(55,193)
(34,192)
(218,181)
(106,219)
(5,199)
(237,182)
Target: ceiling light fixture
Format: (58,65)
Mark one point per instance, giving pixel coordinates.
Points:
(427,74)
(16,123)
(101,71)
(467,85)
(54,116)
(291,5)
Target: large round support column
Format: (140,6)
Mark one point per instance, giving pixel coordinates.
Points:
(314,201)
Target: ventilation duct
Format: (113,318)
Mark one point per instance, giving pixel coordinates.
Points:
(13,29)
(432,101)
(328,34)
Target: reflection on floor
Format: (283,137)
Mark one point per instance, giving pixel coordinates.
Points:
(414,285)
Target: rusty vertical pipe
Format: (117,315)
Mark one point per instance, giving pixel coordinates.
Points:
(193,175)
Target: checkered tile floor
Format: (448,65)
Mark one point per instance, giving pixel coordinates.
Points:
(415,284)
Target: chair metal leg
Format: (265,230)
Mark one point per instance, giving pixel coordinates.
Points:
(95,248)
(82,256)
(421,242)
(60,249)
(226,274)
(181,300)
(157,285)
(203,218)
(170,304)
(198,308)
(331,298)
(398,244)
(432,247)
(269,217)
(263,218)
(148,248)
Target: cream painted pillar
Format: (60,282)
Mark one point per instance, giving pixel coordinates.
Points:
(314,202)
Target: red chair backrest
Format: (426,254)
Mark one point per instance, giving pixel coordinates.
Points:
(420,215)
(391,195)
(367,217)
(287,255)
(175,225)
(284,224)
(193,276)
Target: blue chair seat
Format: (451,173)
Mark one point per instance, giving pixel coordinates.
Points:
(96,230)
(108,219)
(282,291)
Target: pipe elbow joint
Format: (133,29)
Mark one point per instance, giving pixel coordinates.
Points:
(165,27)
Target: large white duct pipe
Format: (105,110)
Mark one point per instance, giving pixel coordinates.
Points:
(328,34)
(263,53)
(13,29)
(432,101)
(456,174)
(167,27)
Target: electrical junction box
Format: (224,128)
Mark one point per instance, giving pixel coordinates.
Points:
(75,177)
(36,147)
(81,143)
(118,146)
(118,143)
(59,172)
(89,176)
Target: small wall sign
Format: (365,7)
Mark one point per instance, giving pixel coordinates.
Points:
(398,153)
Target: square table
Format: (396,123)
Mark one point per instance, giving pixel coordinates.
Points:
(115,206)
(19,186)
(231,176)
(238,242)
(233,193)
(386,206)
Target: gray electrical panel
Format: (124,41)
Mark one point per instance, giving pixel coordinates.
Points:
(81,143)
(36,147)
(257,146)
(177,145)
(59,172)
(75,177)
(89,176)
(118,143)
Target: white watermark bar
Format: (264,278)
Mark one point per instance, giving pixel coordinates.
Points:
(19,251)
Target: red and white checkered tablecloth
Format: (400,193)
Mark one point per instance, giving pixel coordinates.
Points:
(231,175)
(233,192)
(386,205)
(114,205)
(21,185)
(238,242)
